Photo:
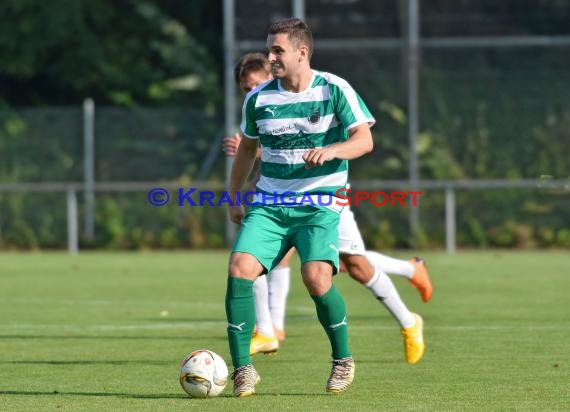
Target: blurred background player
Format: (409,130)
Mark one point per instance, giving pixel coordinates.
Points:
(270,292)
(367,267)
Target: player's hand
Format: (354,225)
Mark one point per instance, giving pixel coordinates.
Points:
(231,144)
(237,212)
(317,157)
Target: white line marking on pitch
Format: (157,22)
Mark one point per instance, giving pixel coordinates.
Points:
(222,324)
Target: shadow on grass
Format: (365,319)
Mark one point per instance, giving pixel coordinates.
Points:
(110,394)
(148,396)
(86,362)
(108,337)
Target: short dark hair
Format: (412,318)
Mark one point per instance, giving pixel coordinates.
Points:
(298,31)
(249,63)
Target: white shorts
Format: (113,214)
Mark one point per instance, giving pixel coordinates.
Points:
(349,238)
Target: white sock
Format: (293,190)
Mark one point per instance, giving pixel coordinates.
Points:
(390,265)
(278,282)
(262,314)
(383,288)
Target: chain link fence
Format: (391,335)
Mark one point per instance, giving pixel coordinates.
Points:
(493,104)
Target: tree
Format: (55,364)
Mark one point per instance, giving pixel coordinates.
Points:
(125,52)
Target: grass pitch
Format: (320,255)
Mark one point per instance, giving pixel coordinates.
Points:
(106,331)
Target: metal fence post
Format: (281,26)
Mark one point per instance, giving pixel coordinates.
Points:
(89,166)
(298,7)
(72,237)
(450,220)
(229,96)
(413,109)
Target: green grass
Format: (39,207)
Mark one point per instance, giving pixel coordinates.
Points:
(86,333)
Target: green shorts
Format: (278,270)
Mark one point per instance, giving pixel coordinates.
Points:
(268,232)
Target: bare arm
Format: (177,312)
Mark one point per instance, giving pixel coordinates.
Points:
(243,163)
(231,145)
(359,143)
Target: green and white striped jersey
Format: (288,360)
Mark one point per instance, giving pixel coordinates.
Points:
(288,124)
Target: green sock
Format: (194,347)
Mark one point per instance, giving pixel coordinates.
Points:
(240,311)
(331,312)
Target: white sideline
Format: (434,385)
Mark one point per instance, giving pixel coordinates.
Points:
(222,324)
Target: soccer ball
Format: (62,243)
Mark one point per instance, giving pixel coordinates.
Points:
(203,374)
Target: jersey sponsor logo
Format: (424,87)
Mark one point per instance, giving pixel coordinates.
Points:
(297,141)
(282,129)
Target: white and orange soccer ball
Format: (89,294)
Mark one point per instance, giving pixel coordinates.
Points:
(203,374)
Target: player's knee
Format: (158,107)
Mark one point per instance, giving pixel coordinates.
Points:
(244,266)
(317,277)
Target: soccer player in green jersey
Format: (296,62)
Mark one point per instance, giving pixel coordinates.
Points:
(367,267)
(309,124)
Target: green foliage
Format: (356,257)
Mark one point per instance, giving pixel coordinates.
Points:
(40,145)
(27,223)
(124,53)
(128,221)
(384,237)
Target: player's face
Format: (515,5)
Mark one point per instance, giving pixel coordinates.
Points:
(283,56)
(250,81)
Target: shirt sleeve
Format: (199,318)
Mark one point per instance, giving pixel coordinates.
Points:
(349,107)
(248,124)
